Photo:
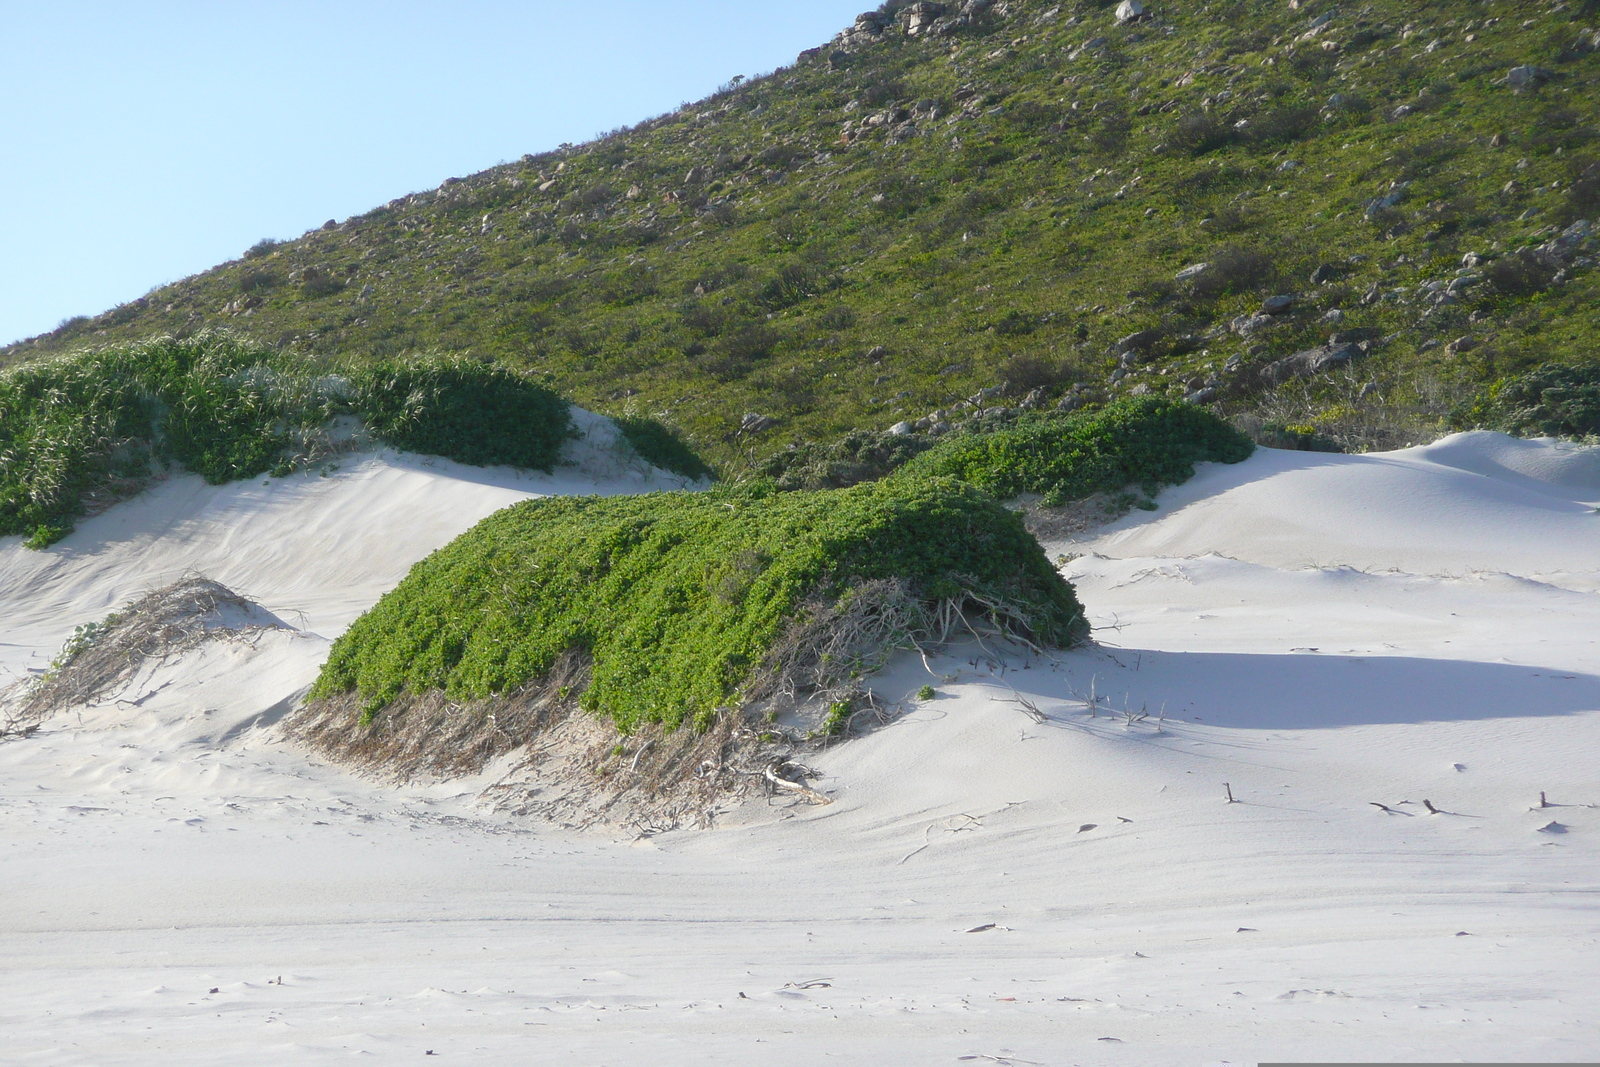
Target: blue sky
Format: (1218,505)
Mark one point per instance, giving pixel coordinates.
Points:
(143,142)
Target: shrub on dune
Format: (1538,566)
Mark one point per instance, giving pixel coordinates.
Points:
(1144,441)
(84,429)
(685,605)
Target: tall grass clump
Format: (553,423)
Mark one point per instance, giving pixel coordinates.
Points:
(1144,441)
(86,428)
(91,424)
(682,604)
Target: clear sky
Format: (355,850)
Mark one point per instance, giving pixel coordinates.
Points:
(143,142)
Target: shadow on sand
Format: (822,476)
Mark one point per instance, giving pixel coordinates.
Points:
(1311,690)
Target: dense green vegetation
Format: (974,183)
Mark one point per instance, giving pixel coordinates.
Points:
(678,597)
(1557,400)
(87,428)
(899,221)
(1144,441)
(470,411)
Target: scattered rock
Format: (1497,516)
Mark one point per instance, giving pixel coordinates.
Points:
(1359,335)
(902,429)
(1141,341)
(1325,273)
(920,17)
(754,423)
(1333,316)
(697,175)
(1130,11)
(1461,344)
(1528,76)
(1277,305)
(1245,325)
(1499,140)
(1396,193)
(1194,270)
(1309,361)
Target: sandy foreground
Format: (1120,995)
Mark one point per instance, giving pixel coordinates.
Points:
(1322,633)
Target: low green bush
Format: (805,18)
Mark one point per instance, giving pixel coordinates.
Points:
(1295,437)
(1554,399)
(859,456)
(94,423)
(678,599)
(1144,441)
(463,409)
(657,444)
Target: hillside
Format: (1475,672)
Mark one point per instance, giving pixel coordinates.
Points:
(1009,204)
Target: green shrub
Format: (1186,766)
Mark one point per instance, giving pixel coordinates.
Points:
(657,444)
(95,421)
(465,410)
(1294,437)
(679,598)
(859,456)
(1555,399)
(1145,441)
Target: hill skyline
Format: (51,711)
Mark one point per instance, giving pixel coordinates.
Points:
(1350,220)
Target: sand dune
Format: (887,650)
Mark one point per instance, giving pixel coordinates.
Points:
(1323,634)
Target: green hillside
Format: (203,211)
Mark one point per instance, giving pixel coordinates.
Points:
(1007,205)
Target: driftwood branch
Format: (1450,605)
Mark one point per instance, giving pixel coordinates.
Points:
(798,788)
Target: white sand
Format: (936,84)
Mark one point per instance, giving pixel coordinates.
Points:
(1324,632)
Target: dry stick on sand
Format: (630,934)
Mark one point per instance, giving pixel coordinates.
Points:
(1094,698)
(1229,789)
(1390,810)
(795,787)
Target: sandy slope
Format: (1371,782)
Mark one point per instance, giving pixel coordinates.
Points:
(1323,632)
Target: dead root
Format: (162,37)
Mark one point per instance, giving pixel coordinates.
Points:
(431,734)
(103,657)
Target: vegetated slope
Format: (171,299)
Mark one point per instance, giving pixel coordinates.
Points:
(675,606)
(1009,198)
